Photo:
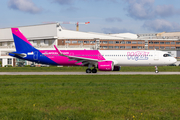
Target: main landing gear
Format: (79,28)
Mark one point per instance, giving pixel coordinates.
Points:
(94,70)
(156,69)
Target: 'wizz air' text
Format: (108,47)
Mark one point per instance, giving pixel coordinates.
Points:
(138,55)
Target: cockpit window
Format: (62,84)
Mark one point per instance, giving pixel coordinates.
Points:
(167,55)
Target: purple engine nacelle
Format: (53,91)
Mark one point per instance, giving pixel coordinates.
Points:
(106,66)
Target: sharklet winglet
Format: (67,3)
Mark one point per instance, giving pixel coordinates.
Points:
(59,52)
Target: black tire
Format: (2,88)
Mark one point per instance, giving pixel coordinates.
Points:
(88,70)
(94,71)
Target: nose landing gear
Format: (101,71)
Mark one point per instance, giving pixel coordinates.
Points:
(156,69)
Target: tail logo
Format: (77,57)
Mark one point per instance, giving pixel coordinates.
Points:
(30,53)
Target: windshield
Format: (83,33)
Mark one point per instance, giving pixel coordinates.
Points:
(167,55)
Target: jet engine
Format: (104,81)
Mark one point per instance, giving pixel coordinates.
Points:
(106,66)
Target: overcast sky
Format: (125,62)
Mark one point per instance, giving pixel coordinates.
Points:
(105,16)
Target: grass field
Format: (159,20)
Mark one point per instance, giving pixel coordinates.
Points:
(71,69)
(81,97)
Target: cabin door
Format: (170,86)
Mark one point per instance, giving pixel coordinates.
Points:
(156,55)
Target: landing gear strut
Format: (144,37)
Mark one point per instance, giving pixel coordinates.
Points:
(156,69)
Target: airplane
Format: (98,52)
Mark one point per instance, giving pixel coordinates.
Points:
(103,60)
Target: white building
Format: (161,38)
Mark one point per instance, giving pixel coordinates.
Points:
(45,36)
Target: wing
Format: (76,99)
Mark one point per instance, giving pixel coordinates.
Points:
(82,60)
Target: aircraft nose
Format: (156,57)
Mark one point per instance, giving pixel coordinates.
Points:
(175,60)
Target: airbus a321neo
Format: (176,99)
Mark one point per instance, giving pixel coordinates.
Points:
(104,60)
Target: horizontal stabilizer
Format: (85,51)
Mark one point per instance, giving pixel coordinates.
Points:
(17,54)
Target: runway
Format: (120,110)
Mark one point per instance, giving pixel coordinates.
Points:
(83,73)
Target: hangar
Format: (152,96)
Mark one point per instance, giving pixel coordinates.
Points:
(45,36)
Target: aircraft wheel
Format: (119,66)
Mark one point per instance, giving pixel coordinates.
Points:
(94,71)
(88,70)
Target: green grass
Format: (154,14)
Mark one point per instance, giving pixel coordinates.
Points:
(82,69)
(81,97)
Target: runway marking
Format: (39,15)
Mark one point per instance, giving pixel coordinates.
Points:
(83,73)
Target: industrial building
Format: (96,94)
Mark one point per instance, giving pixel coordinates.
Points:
(45,36)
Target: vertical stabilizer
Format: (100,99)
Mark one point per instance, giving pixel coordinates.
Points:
(21,42)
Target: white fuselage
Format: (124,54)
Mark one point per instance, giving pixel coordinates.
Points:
(137,57)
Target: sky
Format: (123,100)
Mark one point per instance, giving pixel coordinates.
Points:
(105,16)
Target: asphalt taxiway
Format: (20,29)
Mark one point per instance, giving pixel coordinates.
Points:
(83,73)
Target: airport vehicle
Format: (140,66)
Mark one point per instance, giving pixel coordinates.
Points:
(104,60)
